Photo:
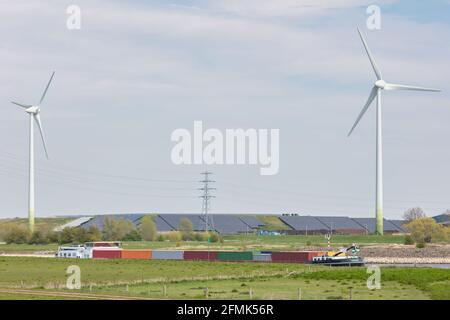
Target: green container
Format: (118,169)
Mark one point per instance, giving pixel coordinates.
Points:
(235,255)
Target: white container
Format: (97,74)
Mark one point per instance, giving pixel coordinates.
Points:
(262,257)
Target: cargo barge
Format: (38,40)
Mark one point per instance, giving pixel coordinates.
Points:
(340,258)
(114,250)
(351,261)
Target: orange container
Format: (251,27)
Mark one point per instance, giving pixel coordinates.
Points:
(137,254)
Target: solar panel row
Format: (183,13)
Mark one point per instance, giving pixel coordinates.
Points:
(400,224)
(174,220)
(229,224)
(235,224)
(370,224)
(99,221)
(251,221)
(320,224)
(161,225)
(304,223)
(442,218)
(222,223)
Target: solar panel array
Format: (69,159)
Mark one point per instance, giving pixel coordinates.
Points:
(235,224)
(73,224)
(340,223)
(99,221)
(442,218)
(368,224)
(388,225)
(174,220)
(251,221)
(222,223)
(325,224)
(304,223)
(229,224)
(400,224)
(161,225)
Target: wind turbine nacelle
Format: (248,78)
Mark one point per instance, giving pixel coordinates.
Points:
(33,110)
(380,84)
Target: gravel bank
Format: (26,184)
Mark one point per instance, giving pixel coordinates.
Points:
(395,260)
(404,251)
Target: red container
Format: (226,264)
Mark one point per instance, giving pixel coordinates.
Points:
(200,255)
(295,256)
(290,256)
(107,254)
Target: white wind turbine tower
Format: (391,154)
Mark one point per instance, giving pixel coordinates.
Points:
(380,85)
(34,112)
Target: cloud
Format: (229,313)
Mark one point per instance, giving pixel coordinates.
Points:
(137,71)
(284,8)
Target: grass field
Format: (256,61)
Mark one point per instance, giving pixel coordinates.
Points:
(273,223)
(153,279)
(269,288)
(37,296)
(188,280)
(241,242)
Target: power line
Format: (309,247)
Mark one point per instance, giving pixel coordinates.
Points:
(206,197)
(61,169)
(70,173)
(11,167)
(287,192)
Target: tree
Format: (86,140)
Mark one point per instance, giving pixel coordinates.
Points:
(214,237)
(201,236)
(67,235)
(426,230)
(408,240)
(93,234)
(116,229)
(53,237)
(110,229)
(124,227)
(80,235)
(17,234)
(148,229)
(413,214)
(134,235)
(38,237)
(173,236)
(186,229)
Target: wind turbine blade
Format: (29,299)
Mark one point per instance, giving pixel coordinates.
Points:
(26,106)
(372,96)
(37,118)
(393,86)
(45,91)
(369,54)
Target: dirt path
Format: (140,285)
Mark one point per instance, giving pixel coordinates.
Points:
(65,294)
(32,255)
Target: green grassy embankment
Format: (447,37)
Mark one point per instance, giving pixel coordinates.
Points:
(188,280)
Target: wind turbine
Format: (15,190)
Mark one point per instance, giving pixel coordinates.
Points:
(378,87)
(34,112)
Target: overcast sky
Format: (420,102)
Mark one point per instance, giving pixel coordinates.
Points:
(135,72)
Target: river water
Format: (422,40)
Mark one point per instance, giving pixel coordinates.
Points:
(411,265)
